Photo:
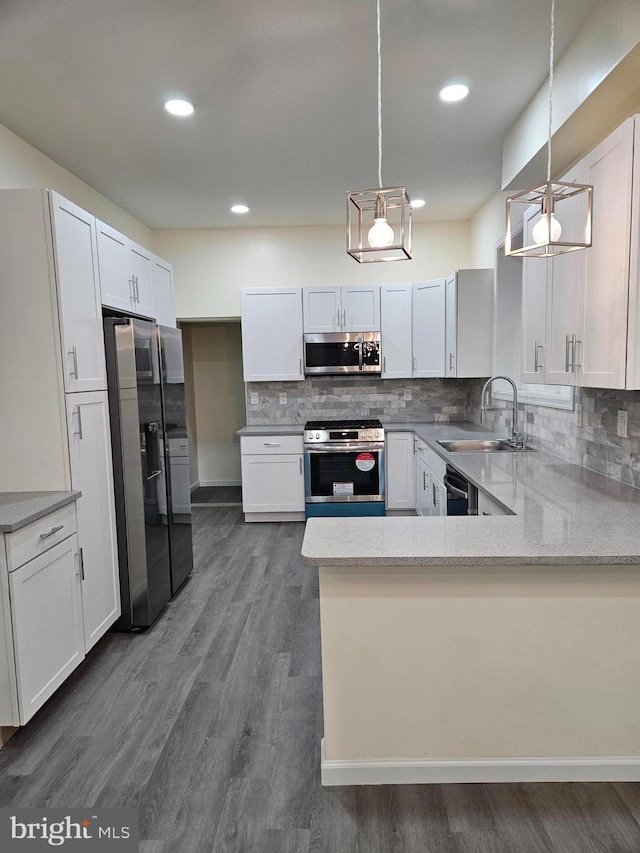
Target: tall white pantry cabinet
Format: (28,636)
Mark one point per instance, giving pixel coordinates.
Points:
(55,419)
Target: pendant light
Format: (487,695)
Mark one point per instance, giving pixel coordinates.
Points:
(379,220)
(552,234)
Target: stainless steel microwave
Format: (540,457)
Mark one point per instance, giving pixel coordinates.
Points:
(342,352)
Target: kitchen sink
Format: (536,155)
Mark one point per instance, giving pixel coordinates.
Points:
(481,445)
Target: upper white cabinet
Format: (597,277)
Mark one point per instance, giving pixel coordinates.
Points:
(165,311)
(271,334)
(341,309)
(395,323)
(126,273)
(469,323)
(76,262)
(428,328)
(579,310)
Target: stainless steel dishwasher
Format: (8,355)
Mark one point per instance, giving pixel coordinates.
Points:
(462,496)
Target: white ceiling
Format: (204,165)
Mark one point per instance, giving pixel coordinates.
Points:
(285,97)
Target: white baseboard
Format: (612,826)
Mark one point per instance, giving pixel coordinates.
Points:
(195,485)
(220,482)
(425,771)
(274,516)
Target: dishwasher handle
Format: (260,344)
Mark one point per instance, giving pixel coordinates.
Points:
(460,493)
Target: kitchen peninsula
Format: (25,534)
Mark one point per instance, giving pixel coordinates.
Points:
(472,649)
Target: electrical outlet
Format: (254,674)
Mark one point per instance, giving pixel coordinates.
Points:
(578,413)
(407,394)
(282,397)
(623,423)
(253,398)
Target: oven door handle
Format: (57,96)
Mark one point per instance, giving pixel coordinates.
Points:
(339,447)
(454,489)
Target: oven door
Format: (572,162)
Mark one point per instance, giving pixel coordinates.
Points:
(344,473)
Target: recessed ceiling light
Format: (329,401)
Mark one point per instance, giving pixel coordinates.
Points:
(239,208)
(455,92)
(418,202)
(178,107)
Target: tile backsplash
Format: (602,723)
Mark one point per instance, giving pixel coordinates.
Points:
(341,397)
(595,444)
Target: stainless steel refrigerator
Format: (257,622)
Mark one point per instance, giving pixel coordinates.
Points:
(145,380)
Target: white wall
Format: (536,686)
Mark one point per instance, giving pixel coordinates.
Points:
(219,401)
(486,227)
(23,166)
(210,266)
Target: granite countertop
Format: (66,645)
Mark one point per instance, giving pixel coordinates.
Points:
(20,508)
(563,514)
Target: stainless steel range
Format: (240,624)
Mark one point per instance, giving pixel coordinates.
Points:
(344,467)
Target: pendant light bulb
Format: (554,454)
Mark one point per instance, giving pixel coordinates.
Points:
(380,234)
(546,230)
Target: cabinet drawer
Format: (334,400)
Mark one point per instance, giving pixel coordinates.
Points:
(263,444)
(36,538)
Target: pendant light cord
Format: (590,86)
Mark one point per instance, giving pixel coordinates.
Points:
(551,49)
(379,100)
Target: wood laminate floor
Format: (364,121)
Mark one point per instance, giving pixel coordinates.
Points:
(217,496)
(210,724)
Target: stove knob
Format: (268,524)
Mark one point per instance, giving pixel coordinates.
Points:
(317,435)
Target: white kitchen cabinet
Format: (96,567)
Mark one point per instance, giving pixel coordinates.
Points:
(429,328)
(165,312)
(341,309)
(126,272)
(46,614)
(431,494)
(271,334)
(272,478)
(92,473)
(76,263)
(424,501)
(487,506)
(41,636)
(39,451)
(400,465)
(469,323)
(395,329)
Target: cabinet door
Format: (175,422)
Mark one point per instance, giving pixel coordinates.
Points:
(400,470)
(271,334)
(361,308)
(322,308)
(141,267)
(395,336)
(602,358)
(116,282)
(534,307)
(424,502)
(46,612)
(451,327)
(428,328)
(91,472)
(272,483)
(165,313)
(9,715)
(80,305)
(439,492)
(565,288)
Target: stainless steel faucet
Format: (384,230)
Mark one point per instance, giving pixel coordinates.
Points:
(516,436)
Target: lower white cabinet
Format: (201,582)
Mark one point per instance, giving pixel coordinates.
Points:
(92,474)
(431,494)
(487,506)
(272,478)
(41,613)
(400,467)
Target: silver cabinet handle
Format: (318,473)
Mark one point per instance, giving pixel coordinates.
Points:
(300,461)
(415,362)
(384,364)
(567,347)
(450,361)
(433,492)
(52,532)
(537,364)
(81,563)
(415,445)
(132,288)
(574,346)
(424,481)
(272,443)
(78,414)
(73,352)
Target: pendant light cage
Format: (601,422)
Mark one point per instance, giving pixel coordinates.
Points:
(571,205)
(363,208)
(565,209)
